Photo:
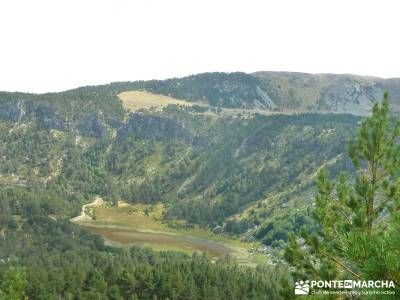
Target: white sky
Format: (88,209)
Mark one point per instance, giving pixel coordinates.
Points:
(53,45)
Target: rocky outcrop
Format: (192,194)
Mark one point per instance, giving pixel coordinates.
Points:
(153,126)
(93,126)
(351,95)
(300,92)
(47,116)
(12,111)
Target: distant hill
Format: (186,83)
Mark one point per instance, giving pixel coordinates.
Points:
(275,91)
(285,92)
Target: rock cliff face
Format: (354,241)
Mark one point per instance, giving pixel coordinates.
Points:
(12,111)
(93,126)
(47,116)
(155,127)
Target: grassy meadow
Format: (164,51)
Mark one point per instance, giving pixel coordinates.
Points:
(130,224)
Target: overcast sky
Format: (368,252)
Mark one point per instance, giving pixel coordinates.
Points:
(53,45)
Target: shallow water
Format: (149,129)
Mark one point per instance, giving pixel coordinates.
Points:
(189,243)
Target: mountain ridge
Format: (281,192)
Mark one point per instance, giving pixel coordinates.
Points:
(263,90)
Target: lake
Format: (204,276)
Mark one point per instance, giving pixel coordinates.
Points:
(161,240)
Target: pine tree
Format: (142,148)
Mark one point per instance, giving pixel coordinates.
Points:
(13,284)
(358,233)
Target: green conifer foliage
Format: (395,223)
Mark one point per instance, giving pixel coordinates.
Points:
(13,284)
(359,226)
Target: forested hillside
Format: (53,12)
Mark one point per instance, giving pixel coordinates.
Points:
(206,169)
(248,174)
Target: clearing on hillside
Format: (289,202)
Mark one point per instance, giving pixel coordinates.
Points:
(135,100)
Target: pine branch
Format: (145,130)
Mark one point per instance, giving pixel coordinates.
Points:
(343,266)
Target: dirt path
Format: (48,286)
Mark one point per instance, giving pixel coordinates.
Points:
(83,217)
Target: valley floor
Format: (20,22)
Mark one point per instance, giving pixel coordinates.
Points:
(130,224)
